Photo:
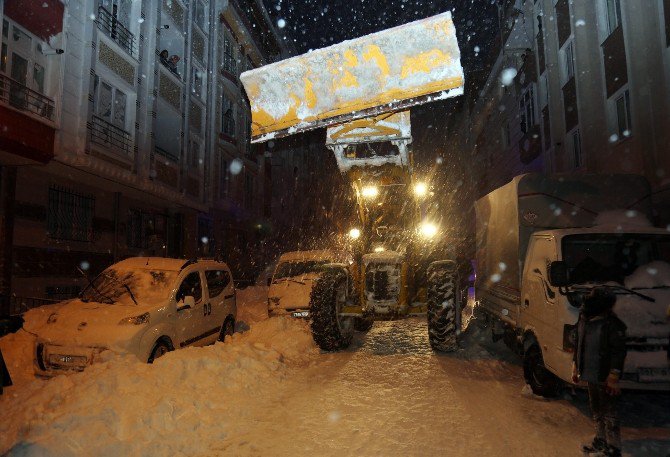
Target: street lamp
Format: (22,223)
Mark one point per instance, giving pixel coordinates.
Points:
(354,233)
(420,189)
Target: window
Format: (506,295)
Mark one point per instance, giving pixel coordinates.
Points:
(217,281)
(248,191)
(200,15)
(110,103)
(70,215)
(569,61)
(229,58)
(577,148)
(504,130)
(623,118)
(527,109)
(613,15)
(225,175)
(197,81)
(190,287)
(114,19)
(194,153)
(227,117)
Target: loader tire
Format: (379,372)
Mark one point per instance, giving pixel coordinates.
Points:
(442,307)
(362,324)
(330,331)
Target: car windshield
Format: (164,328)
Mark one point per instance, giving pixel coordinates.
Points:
(611,257)
(147,286)
(298,268)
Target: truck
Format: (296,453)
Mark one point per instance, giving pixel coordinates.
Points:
(361,91)
(543,241)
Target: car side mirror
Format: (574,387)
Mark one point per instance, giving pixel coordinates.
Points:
(558,274)
(189,302)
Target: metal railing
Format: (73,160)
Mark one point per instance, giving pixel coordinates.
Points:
(167,154)
(110,136)
(108,23)
(22,97)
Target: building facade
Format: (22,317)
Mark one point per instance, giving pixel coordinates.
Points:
(577,86)
(126,132)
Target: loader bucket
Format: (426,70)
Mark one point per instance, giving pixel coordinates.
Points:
(386,71)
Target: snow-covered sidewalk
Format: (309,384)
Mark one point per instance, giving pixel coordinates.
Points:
(269,391)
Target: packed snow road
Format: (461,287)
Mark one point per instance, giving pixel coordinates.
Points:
(270,392)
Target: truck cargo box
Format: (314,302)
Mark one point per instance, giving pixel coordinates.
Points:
(506,217)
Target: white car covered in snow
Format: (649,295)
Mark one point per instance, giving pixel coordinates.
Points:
(144,306)
(293,278)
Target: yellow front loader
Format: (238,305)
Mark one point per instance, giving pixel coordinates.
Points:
(361,90)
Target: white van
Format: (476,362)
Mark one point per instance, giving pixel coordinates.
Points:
(293,279)
(144,306)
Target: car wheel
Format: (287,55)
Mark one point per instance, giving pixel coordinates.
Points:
(227,329)
(161,348)
(542,381)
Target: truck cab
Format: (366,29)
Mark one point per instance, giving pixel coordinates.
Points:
(631,261)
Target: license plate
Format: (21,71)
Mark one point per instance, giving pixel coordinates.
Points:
(301,314)
(67,359)
(654,374)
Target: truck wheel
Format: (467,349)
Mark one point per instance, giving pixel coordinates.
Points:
(227,329)
(329,330)
(442,306)
(362,324)
(542,381)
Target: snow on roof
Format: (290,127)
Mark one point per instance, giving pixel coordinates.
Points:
(384,256)
(312,255)
(151,263)
(653,274)
(622,218)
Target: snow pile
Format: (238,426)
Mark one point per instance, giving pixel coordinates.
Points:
(252,304)
(17,351)
(643,318)
(622,218)
(182,404)
(653,274)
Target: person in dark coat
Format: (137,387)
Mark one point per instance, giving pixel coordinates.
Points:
(5,380)
(598,360)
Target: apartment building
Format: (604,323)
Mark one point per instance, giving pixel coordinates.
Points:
(577,86)
(126,132)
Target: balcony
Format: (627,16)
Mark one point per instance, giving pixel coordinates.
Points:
(110,137)
(21,97)
(108,23)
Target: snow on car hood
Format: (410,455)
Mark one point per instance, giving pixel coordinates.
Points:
(645,319)
(291,293)
(86,323)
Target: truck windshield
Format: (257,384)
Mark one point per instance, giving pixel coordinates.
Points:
(299,268)
(611,257)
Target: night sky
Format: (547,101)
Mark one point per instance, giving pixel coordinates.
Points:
(312,24)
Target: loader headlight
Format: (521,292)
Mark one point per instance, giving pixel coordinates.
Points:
(379,249)
(135,320)
(428,230)
(420,189)
(370,191)
(354,234)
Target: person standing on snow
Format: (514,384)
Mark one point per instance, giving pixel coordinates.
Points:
(598,360)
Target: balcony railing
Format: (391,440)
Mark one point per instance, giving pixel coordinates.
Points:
(23,98)
(167,154)
(110,136)
(108,23)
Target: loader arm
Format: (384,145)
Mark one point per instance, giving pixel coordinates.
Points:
(383,72)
